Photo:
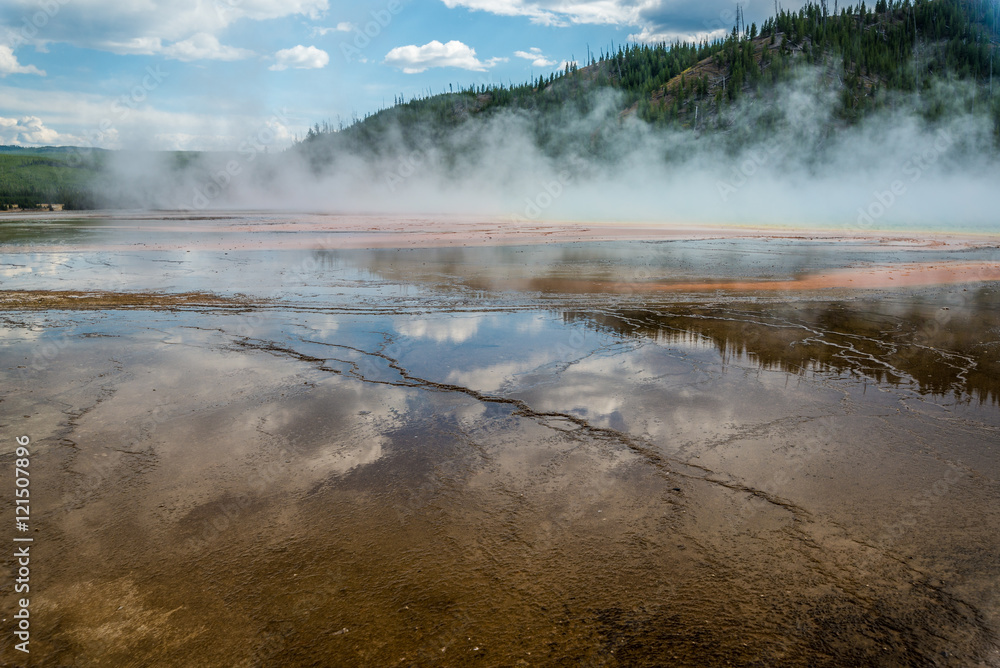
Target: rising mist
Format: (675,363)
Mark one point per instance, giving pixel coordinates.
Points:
(782,158)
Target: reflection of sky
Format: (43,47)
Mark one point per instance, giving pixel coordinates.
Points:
(563,368)
(442,328)
(322,326)
(16,334)
(265,274)
(493,377)
(667,383)
(200,404)
(610,388)
(677,388)
(338,426)
(507,351)
(483,351)
(12,270)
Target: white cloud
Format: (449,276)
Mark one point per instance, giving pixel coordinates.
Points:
(493,377)
(560,12)
(322,327)
(300,58)
(200,46)
(654,20)
(83,114)
(343,26)
(649,35)
(204,46)
(137,46)
(413,59)
(534,54)
(31,131)
(449,329)
(9,64)
(260,10)
(145,26)
(517,8)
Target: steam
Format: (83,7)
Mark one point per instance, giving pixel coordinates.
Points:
(783,158)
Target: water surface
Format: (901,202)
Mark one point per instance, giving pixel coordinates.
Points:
(394,457)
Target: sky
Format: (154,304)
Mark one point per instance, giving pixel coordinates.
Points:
(205,74)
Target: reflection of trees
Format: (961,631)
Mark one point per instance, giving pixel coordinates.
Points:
(530,268)
(943,351)
(954,349)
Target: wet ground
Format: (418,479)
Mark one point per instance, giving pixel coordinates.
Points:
(597,453)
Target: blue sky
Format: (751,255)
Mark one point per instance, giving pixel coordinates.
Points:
(204,74)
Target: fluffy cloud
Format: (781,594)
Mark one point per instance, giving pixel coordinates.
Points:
(9,64)
(80,118)
(413,59)
(343,26)
(30,131)
(136,46)
(561,13)
(203,46)
(177,28)
(534,54)
(200,46)
(301,58)
(654,20)
(449,329)
(649,35)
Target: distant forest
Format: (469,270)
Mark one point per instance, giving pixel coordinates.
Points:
(37,178)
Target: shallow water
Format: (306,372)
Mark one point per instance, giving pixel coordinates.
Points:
(410,457)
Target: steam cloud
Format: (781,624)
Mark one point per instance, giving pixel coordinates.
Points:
(783,158)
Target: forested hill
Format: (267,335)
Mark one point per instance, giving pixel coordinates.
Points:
(868,56)
(42,176)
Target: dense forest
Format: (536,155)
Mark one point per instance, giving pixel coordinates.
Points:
(39,178)
(869,55)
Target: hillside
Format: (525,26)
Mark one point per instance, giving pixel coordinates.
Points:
(863,53)
(30,178)
(867,56)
